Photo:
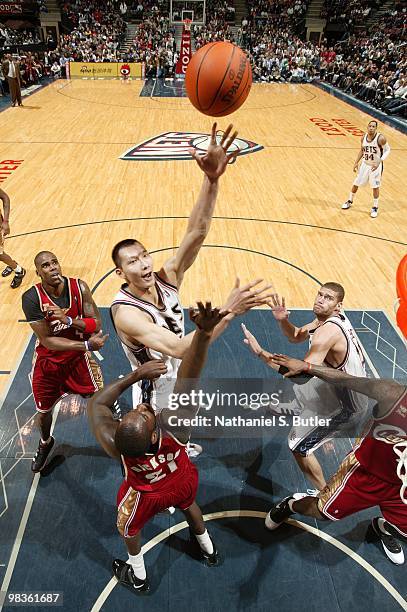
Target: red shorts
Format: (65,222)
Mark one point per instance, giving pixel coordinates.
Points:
(50,381)
(352,488)
(136,508)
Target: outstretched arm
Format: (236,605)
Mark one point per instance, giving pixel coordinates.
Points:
(100,416)
(205,318)
(213,164)
(294,334)
(385,392)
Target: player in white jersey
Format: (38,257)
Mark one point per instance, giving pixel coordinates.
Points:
(373,151)
(146,312)
(332,342)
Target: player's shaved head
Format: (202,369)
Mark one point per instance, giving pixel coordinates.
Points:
(133,435)
(39,256)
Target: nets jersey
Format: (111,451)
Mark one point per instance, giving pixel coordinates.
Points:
(74,310)
(325,399)
(383,451)
(169,315)
(161,470)
(372,151)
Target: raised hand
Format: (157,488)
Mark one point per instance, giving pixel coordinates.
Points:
(251,341)
(214,162)
(205,317)
(278,308)
(242,299)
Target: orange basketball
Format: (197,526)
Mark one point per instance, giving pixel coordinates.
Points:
(218,79)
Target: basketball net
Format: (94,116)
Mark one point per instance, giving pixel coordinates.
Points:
(187,25)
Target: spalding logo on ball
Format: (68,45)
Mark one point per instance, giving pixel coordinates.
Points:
(218,79)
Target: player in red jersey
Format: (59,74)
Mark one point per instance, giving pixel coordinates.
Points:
(66,321)
(374,473)
(153,451)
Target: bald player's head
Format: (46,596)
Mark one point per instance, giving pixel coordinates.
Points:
(136,432)
(48,268)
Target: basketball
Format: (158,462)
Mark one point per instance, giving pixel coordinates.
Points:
(218,79)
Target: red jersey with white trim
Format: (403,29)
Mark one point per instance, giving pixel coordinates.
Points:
(74,310)
(159,471)
(377,450)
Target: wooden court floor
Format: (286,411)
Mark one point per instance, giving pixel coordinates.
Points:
(278,208)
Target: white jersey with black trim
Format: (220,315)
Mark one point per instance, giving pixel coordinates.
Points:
(372,151)
(325,399)
(169,315)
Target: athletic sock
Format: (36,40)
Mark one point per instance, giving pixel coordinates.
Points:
(375,202)
(18,269)
(45,442)
(381,525)
(137,563)
(290,504)
(205,542)
(351,197)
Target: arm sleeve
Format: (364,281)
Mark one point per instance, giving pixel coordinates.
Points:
(386,152)
(31,306)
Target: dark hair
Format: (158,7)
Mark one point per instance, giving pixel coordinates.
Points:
(121,245)
(132,438)
(339,290)
(374,121)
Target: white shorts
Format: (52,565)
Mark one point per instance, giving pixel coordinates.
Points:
(337,412)
(366,174)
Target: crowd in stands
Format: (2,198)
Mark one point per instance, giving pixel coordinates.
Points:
(349,13)
(98,30)
(372,68)
(10,37)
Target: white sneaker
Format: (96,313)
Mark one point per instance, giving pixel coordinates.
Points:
(313,492)
(391,546)
(193,450)
(347,205)
(374,212)
(287,410)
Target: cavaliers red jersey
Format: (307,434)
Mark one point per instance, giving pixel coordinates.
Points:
(160,471)
(74,310)
(377,450)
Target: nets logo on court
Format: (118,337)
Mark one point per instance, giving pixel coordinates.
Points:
(175,145)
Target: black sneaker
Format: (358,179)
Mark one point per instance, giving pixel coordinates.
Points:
(209,559)
(125,575)
(7,271)
(391,547)
(278,513)
(41,455)
(18,279)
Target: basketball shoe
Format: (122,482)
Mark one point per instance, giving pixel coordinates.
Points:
(392,549)
(374,212)
(18,279)
(7,271)
(41,455)
(347,205)
(209,559)
(279,513)
(125,575)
